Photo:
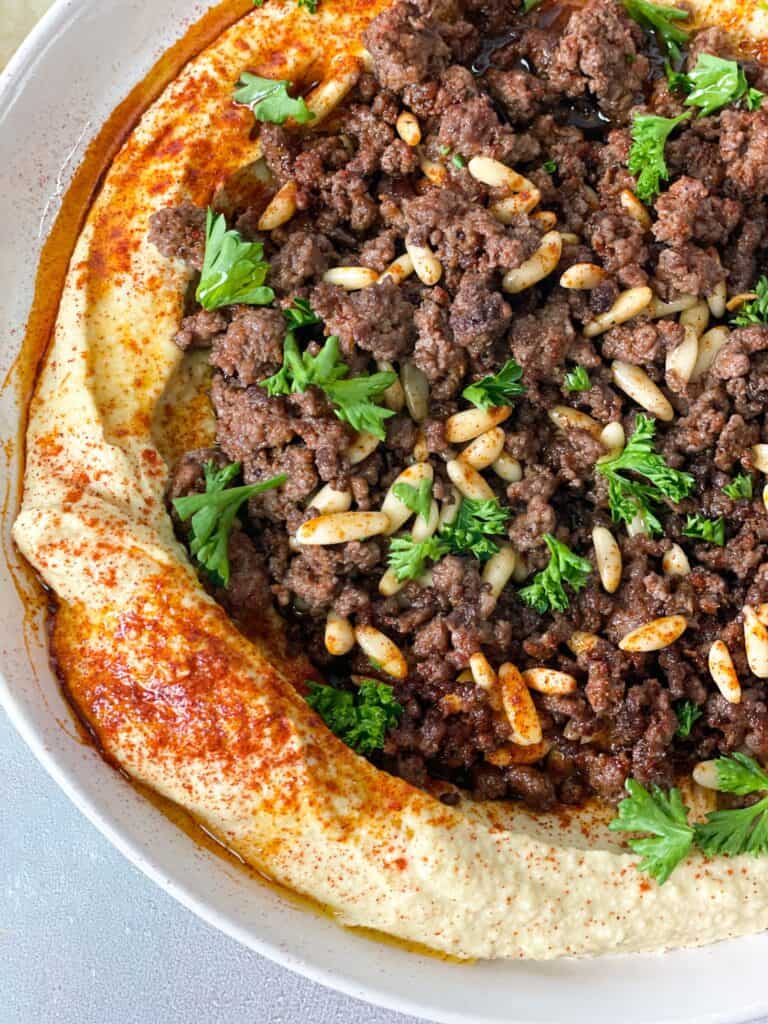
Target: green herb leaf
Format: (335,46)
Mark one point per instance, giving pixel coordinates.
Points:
(233,270)
(476,523)
(547,591)
(269,100)
(756,310)
(213,515)
(529,5)
(458,161)
(716,82)
(628,497)
(740,774)
(662,20)
(665,817)
(688,714)
(646,157)
(710,530)
(361,719)
(417,499)
(498,389)
(733,832)
(678,81)
(408,558)
(354,403)
(549,166)
(308,5)
(754,99)
(577,380)
(739,487)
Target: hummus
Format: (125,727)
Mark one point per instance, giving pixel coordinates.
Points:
(179,698)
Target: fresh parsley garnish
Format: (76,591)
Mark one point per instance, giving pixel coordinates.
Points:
(678,81)
(740,830)
(547,591)
(688,714)
(629,497)
(417,499)
(213,515)
(660,19)
(361,719)
(497,389)
(577,379)
(715,82)
(665,817)
(549,166)
(408,558)
(529,5)
(739,487)
(308,5)
(646,157)
(710,530)
(458,161)
(756,310)
(234,270)
(269,100)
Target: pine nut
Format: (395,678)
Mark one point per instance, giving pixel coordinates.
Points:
(508,209)
(434,172)
(658,309)
(339,635)
(420,449)
(453,704)
(636,383)
(716,300)
(613,438)
(471,423)
(537,267)
(465,676)
(706,774)
(632,205)
(513,753)
(546,218)
(280,209)
(423,531)
(696,317)
(583,277)
(344,72)
(416,388)
(482,672)
(498,570)
(364,444)
(582,643)
(724,674)
(608,558)
(549,680)
(637,527)
(495,174)
(485,449)
(654,635)
(341,527)
(408,128)
(569,238)
(398,269)
(508,469)
(681,361)
(567,419)
(379,648)
(710,344)
(389,584)
(468,481)
(427,266)
(396,510)
(738,300)
(518,707)
(762,614)
(760,457)
(765,497)
(351,279)
(522,570)
(675,562)
(328,500)
(755,643)
(628,304)
(394,397)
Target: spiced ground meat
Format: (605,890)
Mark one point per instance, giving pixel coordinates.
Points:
(554,98)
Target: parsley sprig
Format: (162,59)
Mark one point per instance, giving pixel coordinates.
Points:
(712,531)
(417,499)
(662,20)
(547,591)
(665,817)
(629,497)
(715,82)
(498,389)
(234,270)
(213,515)
(646,157)
(756,310)
(687,714)
(577,379)
(740,487)
(269,100)
(361,719)
(739,830)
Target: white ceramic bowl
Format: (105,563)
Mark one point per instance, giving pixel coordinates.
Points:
(79,63)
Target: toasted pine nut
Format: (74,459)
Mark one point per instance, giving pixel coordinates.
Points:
(420,449)
(508,469)
(736,301)
(566,419)
(724,674)
(514,753)
(340,527)
(450,509)
(632,205)
(522,570)
(452,703)
(755,643)
(628,304)
(657,309)
(762,613)
(499,568)
(675,561)
(471,423)
(375,645)
(423,531)
(612,437)
(351,279)
(583,276)
(280,209)
(364,444)
(396,510)
(408,128)
(537,267)
(435,172)
(569,238)
(394,396)
(546,218)
(549,680)
(518,706)
(329,500)
(608,558)
(760,457)
(339,635)
(398,269)
(710,344)
(495,174)
(343,74)
(637,527)
(389,584)
(427,266)
(681,361)
(765,497)
(706,774)
(506,210)
(485,449)
(416,388)
(716,300)
(654,635)
(636,383)
(696,317)
(465,676)
(468,481)
(482,672)
(582,643)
